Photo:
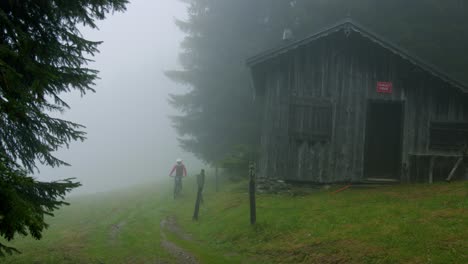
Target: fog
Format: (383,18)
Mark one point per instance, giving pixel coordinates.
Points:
(129,135)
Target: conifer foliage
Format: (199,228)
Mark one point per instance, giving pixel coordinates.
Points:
(219,119)
(218,112)
(42,56)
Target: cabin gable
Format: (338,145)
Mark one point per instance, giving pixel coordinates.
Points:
(324,108)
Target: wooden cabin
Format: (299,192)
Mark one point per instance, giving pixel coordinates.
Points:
(345,105)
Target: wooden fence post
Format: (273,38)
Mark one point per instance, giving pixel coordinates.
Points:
(454,169)
(200,183)
(216,177)
(253,210)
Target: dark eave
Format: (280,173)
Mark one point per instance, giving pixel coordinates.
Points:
(351,25)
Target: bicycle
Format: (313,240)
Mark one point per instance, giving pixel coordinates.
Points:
(177,186)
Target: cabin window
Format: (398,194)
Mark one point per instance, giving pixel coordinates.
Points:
(448,135)
(311,122)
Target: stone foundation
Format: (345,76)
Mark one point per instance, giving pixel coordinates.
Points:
(271,185)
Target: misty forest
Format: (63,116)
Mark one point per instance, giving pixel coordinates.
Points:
(221,131)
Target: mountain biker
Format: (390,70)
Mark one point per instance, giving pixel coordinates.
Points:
(180,171)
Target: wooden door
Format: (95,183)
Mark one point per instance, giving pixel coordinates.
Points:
(383,141)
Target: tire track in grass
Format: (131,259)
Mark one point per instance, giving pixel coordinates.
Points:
(181,255)
(115,231)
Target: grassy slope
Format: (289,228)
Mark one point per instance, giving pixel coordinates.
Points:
(86,231)
(399,224)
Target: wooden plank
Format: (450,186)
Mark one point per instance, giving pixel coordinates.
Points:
(431,169)
(311,101)
(449,178)
(435,154)
(382,180)
(252,188)
(417,167)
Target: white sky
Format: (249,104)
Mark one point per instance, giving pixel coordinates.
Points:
(130,138)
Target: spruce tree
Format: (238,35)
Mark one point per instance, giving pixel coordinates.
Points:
(42,56)
(219,116)
(218,112)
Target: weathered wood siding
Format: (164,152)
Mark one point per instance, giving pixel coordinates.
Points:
(343,71)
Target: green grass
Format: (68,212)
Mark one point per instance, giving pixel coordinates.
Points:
(397,224)
(86,232)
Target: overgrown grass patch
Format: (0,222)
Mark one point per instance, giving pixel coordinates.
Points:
(117,227)
(394,224)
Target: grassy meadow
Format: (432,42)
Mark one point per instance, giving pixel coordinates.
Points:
(393,224)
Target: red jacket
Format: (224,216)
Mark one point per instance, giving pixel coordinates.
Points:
(179,169)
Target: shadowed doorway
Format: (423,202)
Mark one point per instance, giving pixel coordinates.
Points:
(383,141)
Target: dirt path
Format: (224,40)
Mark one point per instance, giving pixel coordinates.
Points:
(182,256)
(115,231)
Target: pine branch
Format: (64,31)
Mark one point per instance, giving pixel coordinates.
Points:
(5,250)
(24,202)
(42,55)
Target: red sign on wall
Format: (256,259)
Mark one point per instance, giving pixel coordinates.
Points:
(384,87)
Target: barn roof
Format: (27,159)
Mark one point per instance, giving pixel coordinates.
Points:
(349,24)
